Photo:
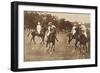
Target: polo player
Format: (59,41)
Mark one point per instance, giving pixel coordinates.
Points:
(83,29)
(50,27)
(73,29)
(38,28)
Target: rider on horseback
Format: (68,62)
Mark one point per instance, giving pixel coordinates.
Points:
(75,27)
(83,30)
(51,29)
(79,28)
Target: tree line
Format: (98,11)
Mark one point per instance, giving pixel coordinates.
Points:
(32,18)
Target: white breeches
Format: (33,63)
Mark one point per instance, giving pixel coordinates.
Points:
(39,31)
(85,34)
(73,32)
(48,33)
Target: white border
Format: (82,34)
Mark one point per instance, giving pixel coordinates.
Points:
(22,64)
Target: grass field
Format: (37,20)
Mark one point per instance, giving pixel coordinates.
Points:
(63,51)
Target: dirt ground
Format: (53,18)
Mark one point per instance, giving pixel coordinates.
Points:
(63,51)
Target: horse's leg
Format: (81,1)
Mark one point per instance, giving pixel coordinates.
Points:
(85,47)
(28,34)
(83,50)
(80,48)
(56,38)
(70,39)
(34,39)
(31,42)
(46,44)
(76,41)
(49,45)
(31,39)
(42,39)
(53,46)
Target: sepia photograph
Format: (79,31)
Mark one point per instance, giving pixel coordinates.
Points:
(56,36)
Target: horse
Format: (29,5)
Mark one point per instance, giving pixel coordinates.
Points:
(51,40)
(84,39)
(41,35)
(79,37)
(73,36)
(83,42)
